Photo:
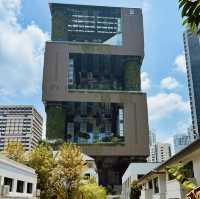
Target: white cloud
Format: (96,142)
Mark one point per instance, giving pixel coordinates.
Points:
(163,105)
(180,63)
(145,81)
(21,52)
(169,83)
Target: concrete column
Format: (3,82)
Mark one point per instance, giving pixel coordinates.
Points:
(34,188)
(25,187)
(1,180)
(14,185)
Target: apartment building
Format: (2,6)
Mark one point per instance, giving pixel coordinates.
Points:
(159,152)
(20,123)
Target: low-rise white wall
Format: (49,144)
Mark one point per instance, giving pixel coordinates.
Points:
(17,172)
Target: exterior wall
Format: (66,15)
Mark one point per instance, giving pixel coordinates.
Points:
(196,165)
(173,189)
(132,173)
(146,194)
(20,123)
(16,171)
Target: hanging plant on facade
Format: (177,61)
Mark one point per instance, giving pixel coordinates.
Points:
(178,171)
(135,190)
(55,122)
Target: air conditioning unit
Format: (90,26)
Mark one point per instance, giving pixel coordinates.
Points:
(5,190)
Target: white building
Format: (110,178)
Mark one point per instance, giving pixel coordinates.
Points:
(20,123)
(159,152)
(157,184)
(163,152)
(152,153)
(16,180)
(91,169)
(134,172)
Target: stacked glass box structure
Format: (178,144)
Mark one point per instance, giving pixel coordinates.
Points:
(92,88)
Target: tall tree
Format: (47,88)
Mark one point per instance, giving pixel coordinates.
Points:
(191,14)
(67,174)
(42,160)
(15,151)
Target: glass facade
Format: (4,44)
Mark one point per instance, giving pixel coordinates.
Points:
(180,142)
(103,72)
(192,52)
(90,123)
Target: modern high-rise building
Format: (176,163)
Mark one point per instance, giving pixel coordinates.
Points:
(192,55)
(20,123)
(92,88)
(181,141)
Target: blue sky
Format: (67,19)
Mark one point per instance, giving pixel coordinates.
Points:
(25,26)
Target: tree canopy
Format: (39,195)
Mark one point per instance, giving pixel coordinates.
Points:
(15,151)
(67,174)
(91,191)
(190,10)
(60,173)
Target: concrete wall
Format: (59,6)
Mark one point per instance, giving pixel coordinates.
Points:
(16,171)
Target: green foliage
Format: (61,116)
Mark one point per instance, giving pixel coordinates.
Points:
(110,190)
(178,171)
(135,190)
(67,173)
(15,151)
(41,159)
(58,26)
(132,76)
(55,122)
(191,14)
(91,191)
